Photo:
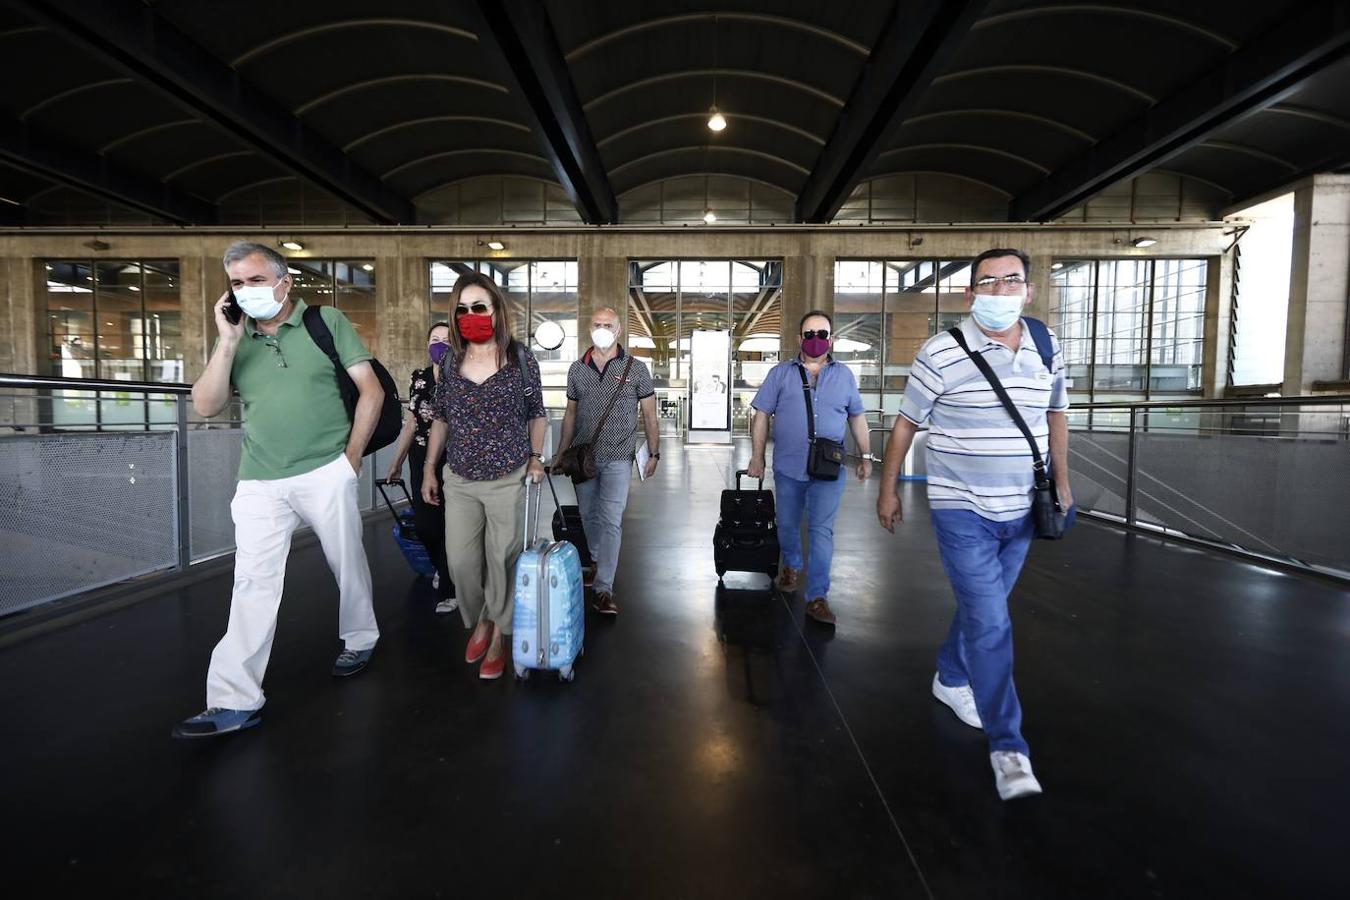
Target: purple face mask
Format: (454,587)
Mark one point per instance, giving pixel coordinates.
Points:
(816,346)
(437,352)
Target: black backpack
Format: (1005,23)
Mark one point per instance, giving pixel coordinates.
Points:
(391,411)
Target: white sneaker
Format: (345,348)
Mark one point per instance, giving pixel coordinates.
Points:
(961,700)
(1012,775)
(435,580)
(448,605)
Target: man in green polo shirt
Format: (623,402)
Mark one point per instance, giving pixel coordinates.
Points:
(300,464)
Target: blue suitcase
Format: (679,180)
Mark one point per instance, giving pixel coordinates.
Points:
(405,531)
(549,624)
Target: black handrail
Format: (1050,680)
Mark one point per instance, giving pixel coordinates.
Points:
(1323,400)
(91,384)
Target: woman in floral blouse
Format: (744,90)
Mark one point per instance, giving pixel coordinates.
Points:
(489,419)
(412,444)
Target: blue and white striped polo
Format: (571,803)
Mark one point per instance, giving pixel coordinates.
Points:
(978,459)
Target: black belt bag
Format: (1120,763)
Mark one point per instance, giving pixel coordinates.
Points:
(825,457)
(1047,516)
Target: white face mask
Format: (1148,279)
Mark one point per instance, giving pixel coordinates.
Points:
(259,302)
(998,312)
(603,338)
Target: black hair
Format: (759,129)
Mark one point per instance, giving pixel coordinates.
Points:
(815,312)
(998,253)
(436,325)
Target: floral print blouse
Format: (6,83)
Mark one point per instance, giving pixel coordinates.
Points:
(488,437)
(421,396)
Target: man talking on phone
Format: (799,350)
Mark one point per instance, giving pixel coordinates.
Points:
(300,463)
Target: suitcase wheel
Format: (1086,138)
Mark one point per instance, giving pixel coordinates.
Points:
(566,673)
(522,673)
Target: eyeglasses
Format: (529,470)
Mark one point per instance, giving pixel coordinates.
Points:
(478,309)
(989,282)
(823,334)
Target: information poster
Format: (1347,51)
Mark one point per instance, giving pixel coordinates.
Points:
(710,396)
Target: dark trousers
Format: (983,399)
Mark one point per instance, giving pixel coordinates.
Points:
(430,519)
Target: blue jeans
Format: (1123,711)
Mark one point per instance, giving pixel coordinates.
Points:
(983,559)
(820,501)
(602,501)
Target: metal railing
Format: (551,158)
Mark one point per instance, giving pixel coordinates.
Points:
(1266,478)
(103,481)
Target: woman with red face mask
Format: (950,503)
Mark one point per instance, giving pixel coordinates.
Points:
(489,421)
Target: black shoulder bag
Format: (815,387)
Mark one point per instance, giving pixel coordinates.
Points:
(824,457)
(1051,520)
(577,462)
(390,422)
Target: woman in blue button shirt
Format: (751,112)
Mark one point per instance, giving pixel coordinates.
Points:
(837,407)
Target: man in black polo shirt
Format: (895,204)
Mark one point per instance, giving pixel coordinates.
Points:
(606,371)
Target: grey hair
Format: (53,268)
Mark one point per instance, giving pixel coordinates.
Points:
(244,249)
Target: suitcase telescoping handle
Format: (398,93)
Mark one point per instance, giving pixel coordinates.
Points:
(381,483)
(740,472)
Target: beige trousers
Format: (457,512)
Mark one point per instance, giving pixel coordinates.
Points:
(483,521)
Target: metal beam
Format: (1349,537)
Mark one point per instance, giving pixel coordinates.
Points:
(1252,78)
(129,35)
(97,175)
(917,41)
(522,36)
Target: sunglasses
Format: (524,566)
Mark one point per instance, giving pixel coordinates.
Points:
(823,334)
(478,309)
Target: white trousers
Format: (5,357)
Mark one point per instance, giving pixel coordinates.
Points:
(265,514)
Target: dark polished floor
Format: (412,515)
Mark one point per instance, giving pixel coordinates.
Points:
(1188,715)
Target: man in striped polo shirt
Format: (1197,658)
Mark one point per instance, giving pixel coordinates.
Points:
(979,489)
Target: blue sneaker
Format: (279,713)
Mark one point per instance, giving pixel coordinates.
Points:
(216,721)
(349,662)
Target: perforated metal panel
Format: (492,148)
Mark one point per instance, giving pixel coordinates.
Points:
(213,472)
(81,511)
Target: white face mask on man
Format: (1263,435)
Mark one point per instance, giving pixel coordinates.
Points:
(259,302)
(603,338)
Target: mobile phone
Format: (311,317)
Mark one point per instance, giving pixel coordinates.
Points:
(233,311)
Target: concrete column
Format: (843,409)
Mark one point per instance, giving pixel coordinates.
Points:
(403,314)
(601,281)
(201,280)
(1218,326)
(1039,276)
(25,352)
(1319,283)
(808,283)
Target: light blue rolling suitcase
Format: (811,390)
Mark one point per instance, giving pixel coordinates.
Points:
(549,623)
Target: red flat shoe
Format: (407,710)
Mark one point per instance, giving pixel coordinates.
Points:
(478,647)
(492,669)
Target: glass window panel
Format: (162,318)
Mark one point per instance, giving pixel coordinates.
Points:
(857,323)
(911,314)
(118,322)
(70,319)
(354,286)
(1122,318)
(163,321)
(554,299)
(1072,287)
(757,310)
(1177,346)
(312,281)
(952,306)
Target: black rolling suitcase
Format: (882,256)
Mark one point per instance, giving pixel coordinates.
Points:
(746,539)
(567,527)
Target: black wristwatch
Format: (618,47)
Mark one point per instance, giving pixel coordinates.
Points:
(656,455)
(538,456)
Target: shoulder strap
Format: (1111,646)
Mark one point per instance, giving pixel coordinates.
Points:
(319,333)
(623,379)
(983,365)
(1041,335)
(810,410)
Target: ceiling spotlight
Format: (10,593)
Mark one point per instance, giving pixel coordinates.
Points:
(716,121)
(1142,242)
(496,245)
(1057,266)
(134,288)
(293,270)
(368,267)
(293,245)
(709,216)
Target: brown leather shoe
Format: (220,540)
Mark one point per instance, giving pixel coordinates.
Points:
(820,611)
(605,605)
(787,579)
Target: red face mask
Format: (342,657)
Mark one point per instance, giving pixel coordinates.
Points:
(474,328)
